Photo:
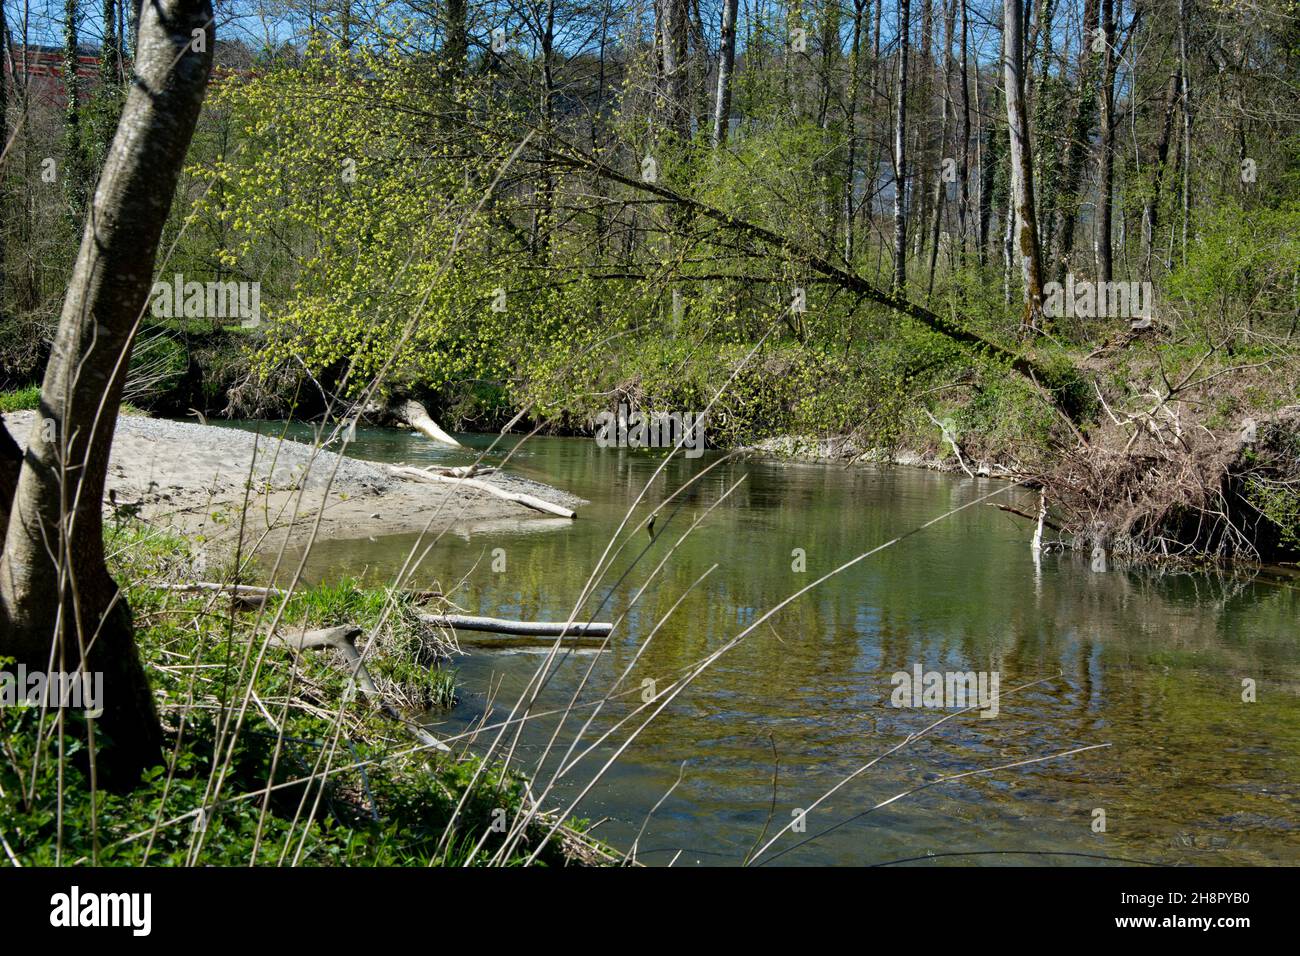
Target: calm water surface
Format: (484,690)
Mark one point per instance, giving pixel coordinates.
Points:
(1150,664)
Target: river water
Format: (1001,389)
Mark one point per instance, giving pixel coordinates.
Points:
(1154,665)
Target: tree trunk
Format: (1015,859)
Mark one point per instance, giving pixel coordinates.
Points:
(1077,149)
(58,602)
(989,159)
(75,173)
(964,206)
(851,119)
(455,58)
(940,186)
(1106,148)
(674,33)
(923,159)
(726,66)
(900,152)
(1187,122)
(1151,212)
(1022,172)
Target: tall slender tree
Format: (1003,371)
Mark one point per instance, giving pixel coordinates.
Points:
(900,150)
(1022,170)
(726,66)
(1106,145)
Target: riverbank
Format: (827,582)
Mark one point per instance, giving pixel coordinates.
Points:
(209,483)
(844,450)
(271,756)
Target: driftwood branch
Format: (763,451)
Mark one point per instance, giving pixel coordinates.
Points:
(240,590)
(948,436)
(417,416)
(528,501)
(1047,522)
(248,595)
(343,639)
(496,625)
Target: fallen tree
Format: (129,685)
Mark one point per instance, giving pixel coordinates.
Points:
(498,625)
(417,416)
(1061,383)
(528,501)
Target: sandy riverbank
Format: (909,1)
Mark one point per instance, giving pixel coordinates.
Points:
(208,481)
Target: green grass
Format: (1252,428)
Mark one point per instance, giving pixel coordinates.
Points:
(21,400)
(29,399)
(383,803)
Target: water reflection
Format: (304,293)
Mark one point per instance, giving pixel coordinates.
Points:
(1151,663)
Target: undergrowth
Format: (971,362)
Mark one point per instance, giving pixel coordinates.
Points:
(311,776)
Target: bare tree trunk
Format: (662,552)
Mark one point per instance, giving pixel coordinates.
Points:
(940,186)
(543,215)
(1187,121)
(75,173)
(1077,148)
(674,31)
(900,151)
(989,159)
(1151,213)
(58,603)
(726,66)
(1022,171)
(923,163)
(1106,148)
(851,161)
(964,208)
(455,49)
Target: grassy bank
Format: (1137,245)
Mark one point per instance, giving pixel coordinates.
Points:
(270,759)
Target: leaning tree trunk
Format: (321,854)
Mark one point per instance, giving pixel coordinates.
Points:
(1151,211)
(58,604)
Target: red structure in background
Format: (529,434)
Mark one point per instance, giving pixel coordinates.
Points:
(44,70)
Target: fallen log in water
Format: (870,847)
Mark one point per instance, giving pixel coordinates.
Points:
(496,625)
(528,501)
(417,416)
(509,642)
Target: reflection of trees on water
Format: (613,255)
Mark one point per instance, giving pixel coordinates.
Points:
(1150,661)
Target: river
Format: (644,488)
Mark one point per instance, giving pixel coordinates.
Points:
(1154,665)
